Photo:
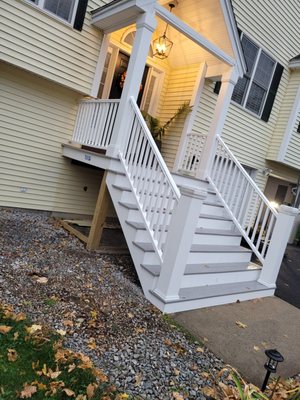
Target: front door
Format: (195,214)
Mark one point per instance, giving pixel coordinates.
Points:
(119,78)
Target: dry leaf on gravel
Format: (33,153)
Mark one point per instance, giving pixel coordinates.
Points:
(241,324)
(90,390)
(33,328)
(43,280)
(28,391)
(256,348)
(61,332)
(177,396)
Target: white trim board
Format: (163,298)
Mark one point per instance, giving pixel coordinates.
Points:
(289,128)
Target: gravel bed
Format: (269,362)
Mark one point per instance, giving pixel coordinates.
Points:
(96,299)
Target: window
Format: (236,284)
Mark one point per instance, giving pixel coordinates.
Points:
(128,38)
(256,90)
(71,11)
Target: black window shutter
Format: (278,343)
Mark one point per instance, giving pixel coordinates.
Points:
(80,14)
(217,87)
(272,93)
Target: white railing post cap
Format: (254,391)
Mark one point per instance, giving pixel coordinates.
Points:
(287,210)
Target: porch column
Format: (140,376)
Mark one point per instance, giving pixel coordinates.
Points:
(100,65)
(218,120)
(191,117)
(145,26)
(277,246)
(179,241)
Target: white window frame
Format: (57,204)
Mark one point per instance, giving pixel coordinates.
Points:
(39,4)
(246,93)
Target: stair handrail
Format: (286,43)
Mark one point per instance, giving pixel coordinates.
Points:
(252,213)
(154,188)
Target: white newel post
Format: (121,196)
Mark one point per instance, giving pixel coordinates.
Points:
(179,240)
(218,120)
(145,26)
(277,246)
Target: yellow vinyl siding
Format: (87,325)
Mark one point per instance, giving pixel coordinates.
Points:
(33,40)
(37,116)
(179,88)
(292,156)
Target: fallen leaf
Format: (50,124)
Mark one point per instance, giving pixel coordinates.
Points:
(139,330)
(256,348)
(168,342)
(92,344)
(5,329)
(41,386)
(61,332)
(43,280)
(130,315)
(90,390)
(205,374)
(176,371)
(53,375)
(94,314)
(81,397)
(71,367)
(241,325)
(68,322)
(16,335)
(177,396)
(12,355)
(69,392)
(138,379)
(200,349)
(205,339)
(208,391)
(28,391)
(33,328)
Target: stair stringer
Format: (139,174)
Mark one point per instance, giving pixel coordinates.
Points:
(139,256)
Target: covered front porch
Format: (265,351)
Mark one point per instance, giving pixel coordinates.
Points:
(184,230)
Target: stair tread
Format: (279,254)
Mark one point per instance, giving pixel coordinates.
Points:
(219,290)
(130,206)
(122,187)
(145,246)
(208,268)
(211,216)
(136,224)
(212,248)
(221,232)
(226,289)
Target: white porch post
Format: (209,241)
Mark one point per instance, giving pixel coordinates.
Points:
(277,246)
(100,65)
(218,120)
(179,241)
(191,117)
(145,26)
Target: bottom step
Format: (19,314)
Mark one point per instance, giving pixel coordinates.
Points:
(212,295)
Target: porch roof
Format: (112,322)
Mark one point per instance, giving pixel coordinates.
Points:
(201,29)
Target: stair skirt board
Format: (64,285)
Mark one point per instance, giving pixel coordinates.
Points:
(218,269)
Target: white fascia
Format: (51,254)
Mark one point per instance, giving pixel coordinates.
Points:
(193,35)
(230,22)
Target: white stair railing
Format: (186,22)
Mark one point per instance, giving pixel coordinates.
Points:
(194,146)
(152,184)
(95,122)
(251,211)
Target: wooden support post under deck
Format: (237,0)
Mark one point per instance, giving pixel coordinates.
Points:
(100,214)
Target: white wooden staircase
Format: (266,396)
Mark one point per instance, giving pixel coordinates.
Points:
(209,266)
(218,269)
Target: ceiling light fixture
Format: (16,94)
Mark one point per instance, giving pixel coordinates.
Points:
(163,45)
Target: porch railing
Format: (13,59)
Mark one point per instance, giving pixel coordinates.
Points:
(95,122)
(152,184)
(244,201)
(194,146)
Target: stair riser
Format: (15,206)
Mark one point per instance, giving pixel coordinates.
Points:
(213,257)
(220,278)
(223,240)
(213,210)
(211,301)
(215,224)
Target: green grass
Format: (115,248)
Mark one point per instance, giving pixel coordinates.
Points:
(35,358)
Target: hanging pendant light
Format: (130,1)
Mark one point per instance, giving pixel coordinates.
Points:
(163,45)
